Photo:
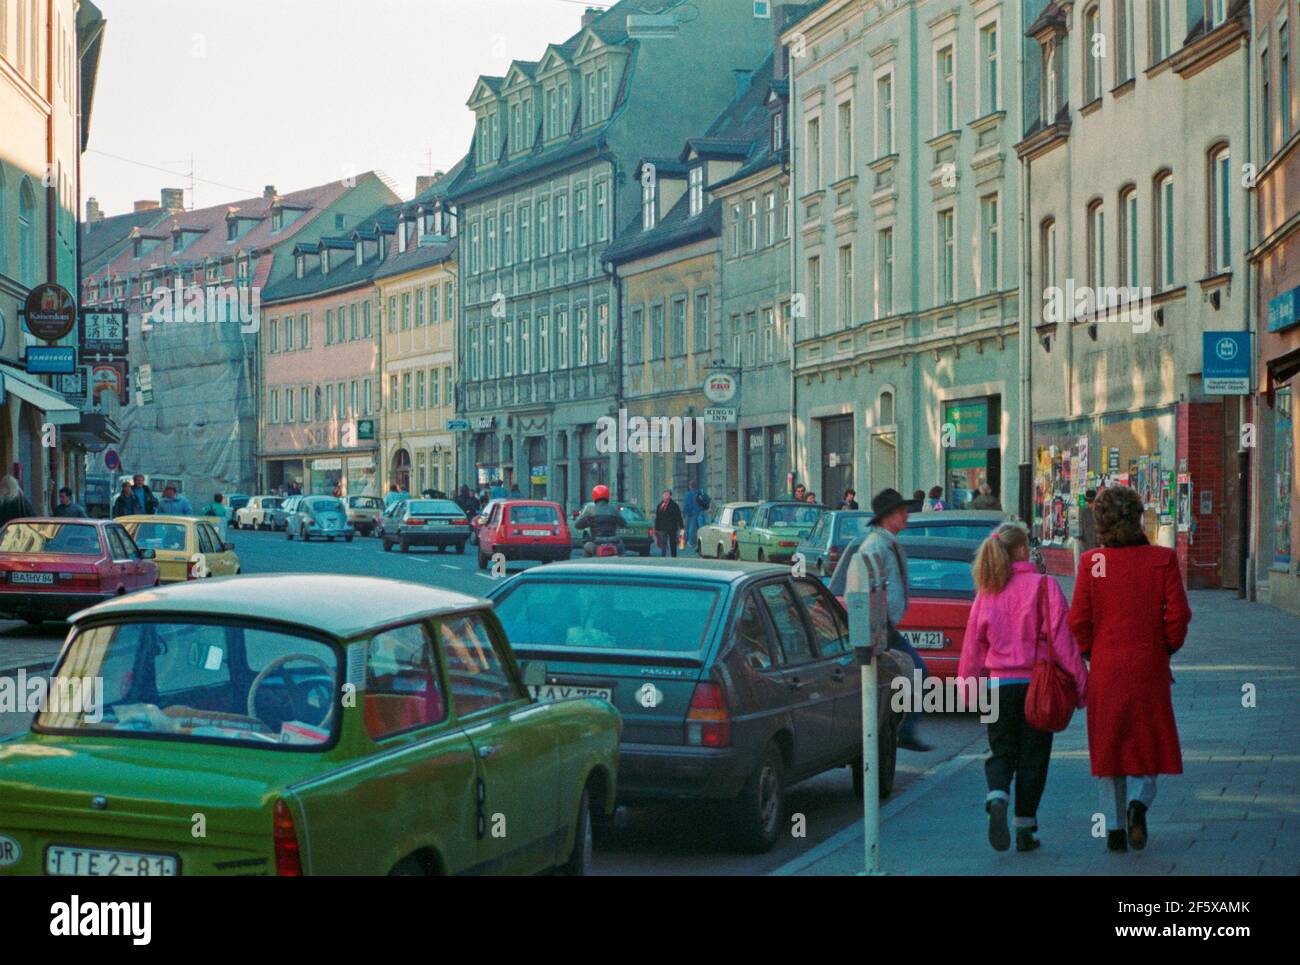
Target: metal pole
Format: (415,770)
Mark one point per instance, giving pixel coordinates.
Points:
(865,629)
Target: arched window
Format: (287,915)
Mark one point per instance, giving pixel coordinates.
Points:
(1165,237)
(1094,52)
(26,233)
(885,408)
(1047,255)
(1123,41)
(1097,246)
(1220,195)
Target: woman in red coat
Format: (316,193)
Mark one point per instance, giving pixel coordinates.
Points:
(1129,615)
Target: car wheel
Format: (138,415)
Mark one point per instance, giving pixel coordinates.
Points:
(761,805)
(482,559)
(406,547)
(580,857)
(408,868)
(388,546)
(699,548)
(302,534)
(288,533)
(347,539)
(460,548)
(760,556)
(718,554)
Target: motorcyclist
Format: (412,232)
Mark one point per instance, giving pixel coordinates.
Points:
(601,520)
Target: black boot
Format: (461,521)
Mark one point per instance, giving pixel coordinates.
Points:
(999,835)
(1026,840)
(1137,825)
(1116,840)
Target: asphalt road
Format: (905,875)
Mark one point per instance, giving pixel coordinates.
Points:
(649,840)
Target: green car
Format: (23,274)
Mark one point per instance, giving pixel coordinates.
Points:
(773,533)
(636,536)
(717,540)
(297,725)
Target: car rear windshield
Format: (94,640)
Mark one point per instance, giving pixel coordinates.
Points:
(544,515)
(850,528)
(608,615)
(978,531)
(158,536)
(270,502)
(323,504)
(794,515)
(64,539)
(365,502)
(933,576)
(434,507)
(630,513)
(197,681)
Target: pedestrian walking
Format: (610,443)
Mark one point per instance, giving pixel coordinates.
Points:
(124,504)
(497,490)
(68,508)
(889,518)
(934,502)
(1014,609)
(145,500)
(1130,615)
(850,500)
(692,510)
(1088,522)
(14,503)
(173,505)
(217,507)
(668,524)
(985,499)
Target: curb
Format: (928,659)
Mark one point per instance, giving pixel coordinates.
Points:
(929,780)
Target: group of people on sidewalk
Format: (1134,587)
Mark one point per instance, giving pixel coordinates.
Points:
(137,499)
(1112,643)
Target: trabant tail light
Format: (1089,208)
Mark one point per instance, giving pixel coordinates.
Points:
(288,862)
(707,722)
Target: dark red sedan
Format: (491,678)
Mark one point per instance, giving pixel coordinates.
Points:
(51,568)
(523,529)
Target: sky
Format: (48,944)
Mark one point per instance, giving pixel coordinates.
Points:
(295,93)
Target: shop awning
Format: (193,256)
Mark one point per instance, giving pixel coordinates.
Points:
(93,428)
(1283,368)
(57,410)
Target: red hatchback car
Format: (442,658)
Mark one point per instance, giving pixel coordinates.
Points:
(52,567)
(524,529)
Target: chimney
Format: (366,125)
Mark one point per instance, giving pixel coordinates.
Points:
(145,206)
(268,191)
(590,14)
(173,199)
(743,79)
(93,213)
(423,182)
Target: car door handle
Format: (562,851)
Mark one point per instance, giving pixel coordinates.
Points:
(487,750)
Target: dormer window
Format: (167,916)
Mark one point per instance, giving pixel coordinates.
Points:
(357,253)
(696,179)
(1217,11)
(380,240)
(300,265)
(241,272)
(232,229)
(324,260)
(647,203)
(778,130)
(1053,81)
(277,221)
(401,237)
(178,240)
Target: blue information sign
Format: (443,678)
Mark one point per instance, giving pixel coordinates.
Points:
(1225,363)
(51,359)
(1284,310)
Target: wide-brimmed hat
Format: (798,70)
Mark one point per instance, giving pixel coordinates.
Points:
(885,502)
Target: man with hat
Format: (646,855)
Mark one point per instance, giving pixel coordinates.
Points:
(889,518)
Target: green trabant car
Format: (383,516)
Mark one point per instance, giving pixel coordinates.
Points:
(773,533)
(298,725)
(636,536)
(718,539)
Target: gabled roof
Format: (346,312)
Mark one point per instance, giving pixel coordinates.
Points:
(416,257)
(101,239)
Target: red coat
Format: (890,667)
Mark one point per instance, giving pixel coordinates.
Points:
(1129,619)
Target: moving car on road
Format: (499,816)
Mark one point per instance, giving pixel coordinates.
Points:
(364,513)
(322,517)
(425,522)
(226,699)
(184,547)
(280,515)
(256,513)
(835,530)
(51,568)
(774,532)
(734,680)
(636,536)
(717,539)
(524,529)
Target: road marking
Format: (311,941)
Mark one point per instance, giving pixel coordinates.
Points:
(484,575)
(449,566)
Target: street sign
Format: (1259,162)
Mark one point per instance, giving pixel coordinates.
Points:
(112,461)
(1225,363)
(104,331)
(51,359)
(458,425)
(365,428)
(50,312)
(720,416)
(1284,310)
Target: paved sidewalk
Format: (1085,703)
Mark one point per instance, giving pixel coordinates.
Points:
(27,647)
(1234,810)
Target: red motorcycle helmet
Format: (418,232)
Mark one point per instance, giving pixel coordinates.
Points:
(600,493)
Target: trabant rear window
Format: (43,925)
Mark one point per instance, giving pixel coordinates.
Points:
(71,539)
(196,681)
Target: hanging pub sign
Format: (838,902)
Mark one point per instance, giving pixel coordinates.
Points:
(50,312)
(103,331)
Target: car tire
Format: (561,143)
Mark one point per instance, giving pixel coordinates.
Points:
(404,545)
(699,549)
(760,808)
(408,868)
(482,559)
(718,553)
(460,548)
(347,539)
(760,556)
(288,533)
(580,857)
(388,546)
(302,534)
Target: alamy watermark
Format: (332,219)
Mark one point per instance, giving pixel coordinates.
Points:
(22,694)
(952,695)
(1129,304)
(644,434)
(194,304)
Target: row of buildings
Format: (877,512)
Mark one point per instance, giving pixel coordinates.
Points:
(929,243)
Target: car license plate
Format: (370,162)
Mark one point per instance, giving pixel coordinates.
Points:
(537,532)
(44,579)
(926,639)
(569,692)
(94,862)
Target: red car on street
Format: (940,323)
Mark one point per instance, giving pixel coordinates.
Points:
(523,529)
(52,567)
(942,589)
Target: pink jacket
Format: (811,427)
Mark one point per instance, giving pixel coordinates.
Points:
(1001,639)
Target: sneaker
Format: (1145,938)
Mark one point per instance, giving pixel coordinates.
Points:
(1116,841)
(1025,839)
(999,835)
(1137,825)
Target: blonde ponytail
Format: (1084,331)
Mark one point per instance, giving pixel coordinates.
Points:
(992,566)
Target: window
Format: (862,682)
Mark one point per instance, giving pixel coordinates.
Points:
(1128,237)
(507,238)
(885,115)
(1266,103)
(989,74)
(785,212)
(1166,274)
(543,228)
(304,407)
(846,286)
(406,311)
(735,231)
(475,249)
(1218,12)
(1096,246)
(352,321)
(525,347)
(274,415)
(1123,41)
(701,322)
(657,331)
(434,400)
(273,335)
(679,325)
(752,643)
(584,335)
(778,131)
(769,335)
(562,339)
(945,95)
(507,348)
(813,155)
(1284,71)
(1160,30)
(26,225)
(369,390)
(1094,49)
(636,336)
(449,294)
(330,411)
(602,211)
(392,393)
(790,632)
(885,272)
(647,203)
(769,208)
(737,355)
(580,218)
(543,342)
(525,252)
(602,333)
(419,389)
(815,294)
(751,224)
(305,325)
(490,243)
(1053,83)
(392,314)
(1220,211)
(696,179)
(990,267)
(1047,254)
(490,352)
(561,223)
(751,338)
(844,140)
(945,283)
(366,327)
(289,331)
(474,670)
(288,405)
(827,626)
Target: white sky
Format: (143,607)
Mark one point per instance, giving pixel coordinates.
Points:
(295,92)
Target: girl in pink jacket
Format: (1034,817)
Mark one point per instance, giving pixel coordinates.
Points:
(1013,601)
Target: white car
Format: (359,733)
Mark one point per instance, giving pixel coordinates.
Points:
(256,513)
